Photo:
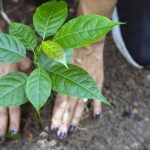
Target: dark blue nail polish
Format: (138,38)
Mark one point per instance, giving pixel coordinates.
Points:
(72,129)
(1,140)
(62,136)
(54,130)
(12,132)
(97,116)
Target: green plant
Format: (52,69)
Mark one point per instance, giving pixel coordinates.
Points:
(53,70)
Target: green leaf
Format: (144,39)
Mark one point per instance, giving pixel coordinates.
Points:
(46,62)
(75,82)
(24,33)
(12,89)
(54,50)
(83,30)
(49,17)
(38,88)
(11,49)
(69,55)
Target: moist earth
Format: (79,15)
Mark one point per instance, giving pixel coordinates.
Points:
(125,126)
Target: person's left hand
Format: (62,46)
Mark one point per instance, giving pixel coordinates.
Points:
(10,117)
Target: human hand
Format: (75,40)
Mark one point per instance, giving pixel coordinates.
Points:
(11,115)
(68,111)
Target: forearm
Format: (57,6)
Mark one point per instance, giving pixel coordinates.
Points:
(99,7)
(92,55)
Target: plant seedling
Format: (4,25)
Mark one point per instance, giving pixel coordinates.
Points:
(53,68)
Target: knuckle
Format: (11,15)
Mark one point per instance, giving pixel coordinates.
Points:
(15,110)
(3,112)
(81,103)
(59,106)
(25,65)
(68,109)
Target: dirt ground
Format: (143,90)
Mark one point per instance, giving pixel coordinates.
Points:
(125,126)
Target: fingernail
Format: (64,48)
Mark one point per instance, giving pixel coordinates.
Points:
(72,129)
(97,116)
(62,136)
(1,140)
(12,132)
(54,130)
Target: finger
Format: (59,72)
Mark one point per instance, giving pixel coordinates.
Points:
(59,107)
(97,105)
(67,116)
(3,123)
(14,115)
(25,65)
(97,109)
(7,68)
(81,105)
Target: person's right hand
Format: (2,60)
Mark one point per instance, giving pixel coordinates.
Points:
(11,115)
(68,111)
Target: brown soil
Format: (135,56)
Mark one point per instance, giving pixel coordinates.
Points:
(125,126)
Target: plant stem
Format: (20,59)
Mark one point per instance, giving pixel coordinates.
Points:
(2,12)
(35,58)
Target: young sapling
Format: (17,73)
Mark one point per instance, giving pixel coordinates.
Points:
(52,55)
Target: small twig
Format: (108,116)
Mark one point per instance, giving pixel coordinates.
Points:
(2,12)
(14,8)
